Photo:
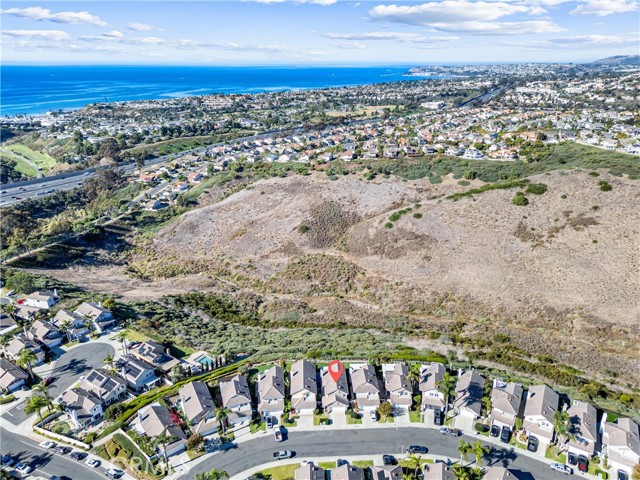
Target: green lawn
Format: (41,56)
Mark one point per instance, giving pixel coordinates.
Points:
(363,463)
(415,417)
(354,421)
(254,427)
(551,455)
(318,418)
(42,160)
(327,465)
(279,473)
(21,166)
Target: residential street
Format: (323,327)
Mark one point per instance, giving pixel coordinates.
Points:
(364,442)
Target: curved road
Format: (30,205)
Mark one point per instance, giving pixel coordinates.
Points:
(369,441)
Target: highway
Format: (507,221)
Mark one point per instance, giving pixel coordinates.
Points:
(13,193)
(369,441)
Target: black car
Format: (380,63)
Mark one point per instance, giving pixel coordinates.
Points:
(389,460)
(417,449)
(62,450)
(437,417)
(583,463)
(622,475)
(78,456)
(454,432)
(505,435)
(495,431)
(572,458)
(532,444)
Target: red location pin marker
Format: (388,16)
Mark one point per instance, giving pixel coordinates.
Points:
(335,369)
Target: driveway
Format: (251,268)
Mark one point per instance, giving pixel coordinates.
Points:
(338,417)
(305,420)
(366,441)
(66,370)
(464,423)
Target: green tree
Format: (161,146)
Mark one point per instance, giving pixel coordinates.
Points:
(195,442)
(35,404)
(385,410)
(21,282)
(464,448)
(163,440)
(213,475)
(26,359)
(562,424)
(42,390)
(447,386)
(480,450)
(221,415)
(461,472)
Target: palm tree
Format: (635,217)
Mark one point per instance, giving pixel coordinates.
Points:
(413,463)
(480,450)
(461,473)
(123,336)
(43,391)
(414,376)
(66,328)
(447,386)
(163,440)
(452,357)
(35,404)
(26,358)
(465,449)
(562,424)
(221,415)
(213,475)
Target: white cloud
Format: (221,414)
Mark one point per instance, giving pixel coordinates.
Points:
(594,40)
(314,2)
(141,27)
(602,8)
(501,28)
(54,35)
(39,13)
(114,34)
(404,37)
(349,45)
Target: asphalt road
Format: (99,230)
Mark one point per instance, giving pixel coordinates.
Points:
(366,442)
(67,370)
(16,192)
(45,462)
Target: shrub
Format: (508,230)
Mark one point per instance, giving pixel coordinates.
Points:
(536,188)
(302,229)
(114,411)
(113,449)
(594,174)
(605,186)
(388,225)
(520,200)
(563,197)
(7,399)
(481,427)
(464,183)
(417,215)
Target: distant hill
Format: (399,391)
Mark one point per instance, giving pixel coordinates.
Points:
(619,60)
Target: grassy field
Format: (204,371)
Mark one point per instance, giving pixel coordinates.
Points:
(178,145)
(42,160)
(279,473)
(20,165)
(359,112)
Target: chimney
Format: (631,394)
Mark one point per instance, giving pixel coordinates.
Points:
(55,292)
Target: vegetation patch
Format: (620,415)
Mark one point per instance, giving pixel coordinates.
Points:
(488,187)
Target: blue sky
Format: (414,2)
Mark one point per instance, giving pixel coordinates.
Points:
(292,32)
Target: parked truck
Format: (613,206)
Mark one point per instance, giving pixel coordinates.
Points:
(282,455)
(277,433)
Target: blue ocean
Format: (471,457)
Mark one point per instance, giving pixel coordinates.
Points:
(38,89)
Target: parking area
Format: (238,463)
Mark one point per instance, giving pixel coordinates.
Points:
(338,417)
(305,420)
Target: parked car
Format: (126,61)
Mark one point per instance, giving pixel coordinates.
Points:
(558,467)
(454,432)
(444,430)
(417,449)
(374,415)
(341,462)
(437,417)
(282,455)
(78,456)
(505,435)
(583,463)
(48,381)
(23,469)
(622,475)
(113,473)
(48,444)
(277,433)
(62,450)
(532,444)
(269,422)
(7,460)
(572,458)
(495,431)
(389,460)
(93,462)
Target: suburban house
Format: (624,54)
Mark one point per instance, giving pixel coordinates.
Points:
(335,395)
(541,405)
(44,332)
(469,392)
(271,392)
(388,472)
(83,407)
(347,472)
(621,442)
(72,322)
(236,397)
(365,386)
(7,323)
(108,388)
(140,376)
(101,317)
(303,386)
(506,399)
(154,354)
(198,407)
(584,427)
(430,377)
(44,299)
(397,385)
(11,377)
(437,471)
(156,420)
(498,473)
(18,343)
(309,472)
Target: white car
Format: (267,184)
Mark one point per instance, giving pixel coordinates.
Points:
(374,416)
(93,462)
(559,467)
(48,444)
(23,469)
